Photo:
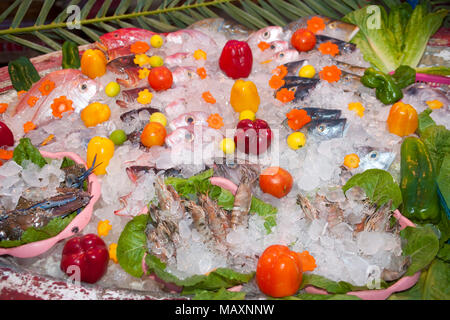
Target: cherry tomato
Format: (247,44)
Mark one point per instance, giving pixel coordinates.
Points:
(276,181)
(303,40)
(279,271)
(160,78)
(153,134)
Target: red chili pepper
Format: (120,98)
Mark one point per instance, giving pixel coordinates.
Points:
(236,59)
(89,253)
(6,136)
(253,141)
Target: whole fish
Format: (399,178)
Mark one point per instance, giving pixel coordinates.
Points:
(299,85)
(371,158)
(187,119)
(230,29)
(333,28)
(344,47)
(217,218)
(270,52)
(267,34)
(129,96)
(318,114)
(326,129)
(14,223)
(243,198)
(294,67)
(423,92)
(70,83)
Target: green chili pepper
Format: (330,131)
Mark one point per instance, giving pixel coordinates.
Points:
(70,55)
(386,90)
(22,73)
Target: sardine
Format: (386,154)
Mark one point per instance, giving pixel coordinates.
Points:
(326,129)
(333,28)
(243,198)
(299,85)
(344,47)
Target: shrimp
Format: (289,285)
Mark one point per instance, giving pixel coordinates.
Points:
(218,220)
(243,198)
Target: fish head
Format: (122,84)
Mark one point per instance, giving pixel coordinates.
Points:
(187,119)
(340,30)
(81,90)
(299,85)
(122,38)
(286,56)
(294,67)
(180,136)
(267,34)
(371,158)
(183,74)
(278,46)
(327,129)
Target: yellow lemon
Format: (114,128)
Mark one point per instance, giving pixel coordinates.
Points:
(156,41)
(112,89)
(296,140)
(158,117)
(227,145)
(247,114)
(156,61)
(307,71)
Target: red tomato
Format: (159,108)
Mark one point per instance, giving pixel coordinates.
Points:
(279,271)
(153,134)
(303,40)
(276,181)
(160,78)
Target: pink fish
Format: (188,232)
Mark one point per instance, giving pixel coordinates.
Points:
(190,35)
(286,56)
(187,119)
(70,83)
(275,47)
(193,136)
(132,80)
(117,43)
(184,74)
(176,59)
(267,34)
(175,108)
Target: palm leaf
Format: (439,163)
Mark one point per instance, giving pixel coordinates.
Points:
(46,34)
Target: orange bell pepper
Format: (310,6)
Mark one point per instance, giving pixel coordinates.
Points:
(402,119)
(93,63)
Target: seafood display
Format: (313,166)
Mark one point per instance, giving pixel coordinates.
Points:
(216,147)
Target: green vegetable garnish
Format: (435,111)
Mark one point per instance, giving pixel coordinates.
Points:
(26,151)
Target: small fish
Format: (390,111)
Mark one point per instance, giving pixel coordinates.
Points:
(344,47)
(285,56)
(294,67)
(132,80)
(326,129)
(217,218)
(299,85)
(243,198)
(230,29)
(190,35)
(176,59)
(70,83)
(187,119)
(333,28)
(371,158)
(423,92)
(193,135)
(129,96)
(267,34)
(318,114)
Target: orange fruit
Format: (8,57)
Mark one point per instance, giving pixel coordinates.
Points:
(153,134)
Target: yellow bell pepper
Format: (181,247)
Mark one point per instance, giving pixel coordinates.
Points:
(102,149)
(244,96)
(93,63)
(95,113)
(402,119)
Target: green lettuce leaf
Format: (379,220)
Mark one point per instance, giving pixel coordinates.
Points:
(67,162)
(132,245)
(437,140)
(26,151)
(443,180)
(32,234)
(439,71)
(221,294)
(425,121)
(189,187)
(378,185)
(422,246)
(436,282)
(444,253)
(404,76)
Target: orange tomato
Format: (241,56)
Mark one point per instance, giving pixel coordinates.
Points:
(276,181)
(279,272)
(160,78)
(303,40)
(153,134)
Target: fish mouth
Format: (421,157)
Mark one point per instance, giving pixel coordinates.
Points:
(101,46)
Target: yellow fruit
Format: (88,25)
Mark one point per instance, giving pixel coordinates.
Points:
(112,89)
(296,140)
(227,145)
(156,41)
(307,71)
(158,117)
(247,114)
(156,61)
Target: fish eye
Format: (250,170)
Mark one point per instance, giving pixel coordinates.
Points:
(188,136)
(189,120)
(266,35)
(373,155)
(281,54)
(321,128)
(332,25)
(83,87)
(293,89)
(272,47)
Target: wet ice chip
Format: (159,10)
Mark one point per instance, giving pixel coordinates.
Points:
(370,242)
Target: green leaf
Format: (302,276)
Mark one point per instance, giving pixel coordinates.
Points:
(425,120)
(436,283)
(132,245)
(67,162)
(26,151)
(23,8)
(422,245)
(309,296)
(444,253)
(378,185)
(326,284)
(404,76)
(437,140)
(440,70)
(221,294)
(443,180)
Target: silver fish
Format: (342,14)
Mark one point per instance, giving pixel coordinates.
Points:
(299,85)
(230,29)
(318,114)
(333,28)
(294,67)
(344,47)
(326,129)
(372,158)
(267,34)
